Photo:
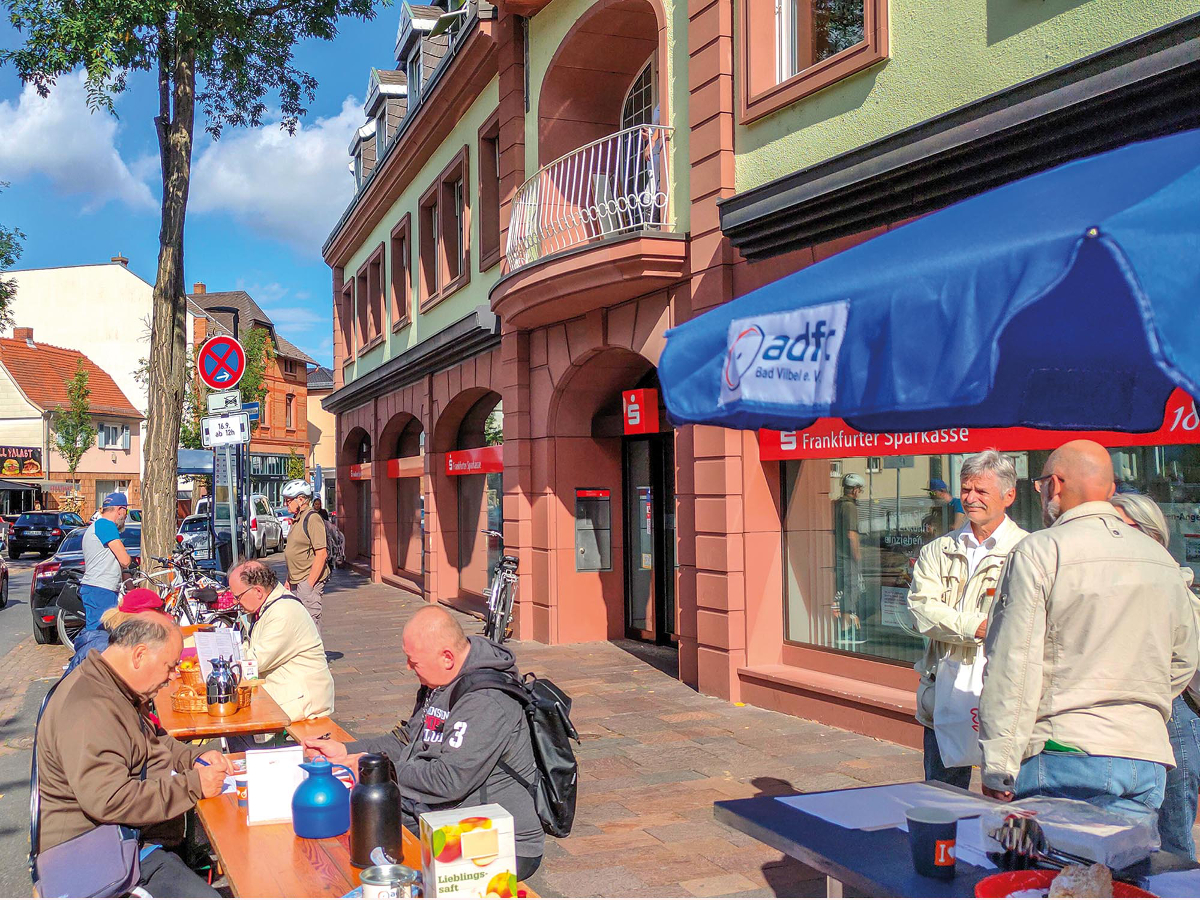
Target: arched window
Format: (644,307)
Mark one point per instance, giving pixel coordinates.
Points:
(641,102)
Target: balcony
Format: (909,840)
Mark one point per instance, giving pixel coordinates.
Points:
(617,185)
(592,229)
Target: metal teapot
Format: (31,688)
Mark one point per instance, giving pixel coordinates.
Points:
(222,687)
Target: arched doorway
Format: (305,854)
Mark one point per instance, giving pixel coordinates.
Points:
(480,495)
(402,500)
(614,492)
(360,475)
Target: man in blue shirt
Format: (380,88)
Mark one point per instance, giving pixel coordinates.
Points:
(103,558)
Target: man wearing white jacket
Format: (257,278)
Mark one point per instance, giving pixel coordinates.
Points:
(283,640)
(954,586)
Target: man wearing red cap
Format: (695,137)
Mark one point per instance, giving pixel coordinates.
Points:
(136,601)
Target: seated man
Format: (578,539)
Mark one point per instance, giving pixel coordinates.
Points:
(283,640)
(447,759)
(95,736)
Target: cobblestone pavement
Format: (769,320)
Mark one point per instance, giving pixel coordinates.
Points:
(655,756)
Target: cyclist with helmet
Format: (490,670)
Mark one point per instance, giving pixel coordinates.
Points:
(307,551)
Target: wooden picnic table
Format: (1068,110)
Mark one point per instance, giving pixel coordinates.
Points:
(271,861)
(262,716)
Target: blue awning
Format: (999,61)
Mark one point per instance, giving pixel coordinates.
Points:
(1069,299)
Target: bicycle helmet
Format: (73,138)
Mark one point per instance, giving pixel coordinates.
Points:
(297,487)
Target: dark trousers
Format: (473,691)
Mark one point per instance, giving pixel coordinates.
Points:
(165,875)
(955,776)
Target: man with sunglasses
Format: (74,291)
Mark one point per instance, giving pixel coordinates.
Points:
(1091,637)
(284,642)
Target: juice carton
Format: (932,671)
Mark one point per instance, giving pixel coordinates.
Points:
(469,852)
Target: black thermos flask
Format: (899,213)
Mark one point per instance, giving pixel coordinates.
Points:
(374,811)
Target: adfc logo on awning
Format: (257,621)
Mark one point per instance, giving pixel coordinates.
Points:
(785,358)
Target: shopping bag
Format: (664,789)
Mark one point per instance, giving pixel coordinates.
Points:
(956,710)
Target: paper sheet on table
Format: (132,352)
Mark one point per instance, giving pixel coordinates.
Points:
(225,642)
(1175,884)
(272,776)
(870,808)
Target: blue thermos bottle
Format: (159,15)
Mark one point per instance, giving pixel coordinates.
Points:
(321,803)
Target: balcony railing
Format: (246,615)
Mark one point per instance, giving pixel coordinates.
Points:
(618,184)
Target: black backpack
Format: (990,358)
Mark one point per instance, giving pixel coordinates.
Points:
(548,709)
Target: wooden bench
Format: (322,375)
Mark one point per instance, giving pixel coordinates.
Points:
(323,727)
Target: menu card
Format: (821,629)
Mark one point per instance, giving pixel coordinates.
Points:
(223,642)
(272,777)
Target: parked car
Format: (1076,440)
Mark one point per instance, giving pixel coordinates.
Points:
(135,515)
(40,532)
(265,526)
(285,520)
(194,534)
(66,567)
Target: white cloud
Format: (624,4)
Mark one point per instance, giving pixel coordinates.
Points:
(291,188)
(58,137)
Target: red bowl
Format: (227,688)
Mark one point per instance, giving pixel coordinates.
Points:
(1006,883)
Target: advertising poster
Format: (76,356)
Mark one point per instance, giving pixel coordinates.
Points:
(21,462)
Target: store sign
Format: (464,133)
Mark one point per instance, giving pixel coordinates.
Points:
(406,467)
(360,472)
(827,438)
(475,462)
(21,462)
(641,411)
(592,493)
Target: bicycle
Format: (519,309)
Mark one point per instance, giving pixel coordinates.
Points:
(497,625)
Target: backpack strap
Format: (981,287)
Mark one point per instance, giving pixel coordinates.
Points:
(493,680)
(308,514)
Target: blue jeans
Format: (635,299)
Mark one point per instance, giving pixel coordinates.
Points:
(1134,785)
(935,770)
(1178,813)
(95,601)
(86,641)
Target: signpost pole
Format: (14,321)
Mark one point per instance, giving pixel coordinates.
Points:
(232,480)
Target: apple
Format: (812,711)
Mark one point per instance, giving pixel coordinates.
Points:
(447,843)
(503,885)
(470,823)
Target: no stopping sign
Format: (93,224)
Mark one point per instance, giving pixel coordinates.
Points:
(221,362)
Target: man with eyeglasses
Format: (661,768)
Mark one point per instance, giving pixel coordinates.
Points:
(1091,638)
(284,642)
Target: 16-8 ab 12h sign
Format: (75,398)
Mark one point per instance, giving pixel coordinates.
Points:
(221,362)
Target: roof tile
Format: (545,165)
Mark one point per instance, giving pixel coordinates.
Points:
(42,372)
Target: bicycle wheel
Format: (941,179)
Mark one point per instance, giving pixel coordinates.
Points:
(68,626)
(498,624)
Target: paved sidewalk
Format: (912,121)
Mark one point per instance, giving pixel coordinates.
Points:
(655,756)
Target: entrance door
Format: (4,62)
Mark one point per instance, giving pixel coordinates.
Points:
(364,519)
(649,501)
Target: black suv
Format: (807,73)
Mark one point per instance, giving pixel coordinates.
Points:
(40,532)
(66,567)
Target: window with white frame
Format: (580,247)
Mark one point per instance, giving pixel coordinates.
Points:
(810,31)
(412,69)
(380,134)
(112,437)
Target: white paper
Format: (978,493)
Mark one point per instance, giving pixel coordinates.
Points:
(968,843)
(224,642)
(272,777)
(884,806)
(1175,884)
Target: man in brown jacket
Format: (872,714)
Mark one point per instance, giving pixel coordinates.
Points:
(96,734)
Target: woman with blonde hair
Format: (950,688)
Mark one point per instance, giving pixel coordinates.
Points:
(1177,814)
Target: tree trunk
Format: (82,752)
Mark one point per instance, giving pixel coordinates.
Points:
(168,335)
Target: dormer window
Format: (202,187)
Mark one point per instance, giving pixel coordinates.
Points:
(358,168)
(380,134)
(413,71)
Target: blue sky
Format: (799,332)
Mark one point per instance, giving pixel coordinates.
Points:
(85,186)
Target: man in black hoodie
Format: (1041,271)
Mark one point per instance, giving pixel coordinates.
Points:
(450,758)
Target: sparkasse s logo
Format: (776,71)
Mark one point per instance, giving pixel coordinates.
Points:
(787,358)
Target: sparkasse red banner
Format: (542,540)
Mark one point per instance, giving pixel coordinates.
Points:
(828,438)
(475,462)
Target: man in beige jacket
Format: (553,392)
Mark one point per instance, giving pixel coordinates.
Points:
(283,640)
(1092,636)
(954,585)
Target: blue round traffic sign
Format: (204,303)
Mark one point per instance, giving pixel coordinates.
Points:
(221,362)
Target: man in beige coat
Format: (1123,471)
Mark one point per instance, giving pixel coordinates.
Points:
(954,586)
(1092,636)
(283,640)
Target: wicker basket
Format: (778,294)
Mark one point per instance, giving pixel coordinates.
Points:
(189,699)
(192,677)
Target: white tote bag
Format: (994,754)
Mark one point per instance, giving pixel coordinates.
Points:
(956,710)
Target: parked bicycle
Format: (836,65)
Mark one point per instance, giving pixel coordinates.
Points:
(501,595)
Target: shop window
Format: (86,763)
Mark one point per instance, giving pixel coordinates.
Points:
(445,227)
(793,48)
(489,193)
(401,275)
(480,498)
(849,550)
